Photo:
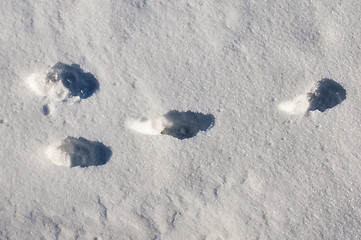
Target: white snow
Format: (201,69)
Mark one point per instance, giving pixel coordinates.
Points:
(57,156)
(198,124)
(54,91)
(147,126)
(298,105)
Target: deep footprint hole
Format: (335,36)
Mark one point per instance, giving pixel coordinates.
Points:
(327,94)
(85,153)
(185,125)
(78,82)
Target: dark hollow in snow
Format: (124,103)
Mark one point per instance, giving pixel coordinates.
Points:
(327,94)
(85,153)
(78,82)
(45,109)
(187,124)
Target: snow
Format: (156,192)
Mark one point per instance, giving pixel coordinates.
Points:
(298,105)
(209,112)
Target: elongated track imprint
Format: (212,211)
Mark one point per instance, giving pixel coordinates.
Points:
(326,94)
(73,152)
(177,124)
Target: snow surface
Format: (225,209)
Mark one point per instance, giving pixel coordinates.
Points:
(256,173)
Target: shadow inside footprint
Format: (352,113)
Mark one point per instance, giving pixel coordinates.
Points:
(85,153)
(184,125)
(327,94)
(74,79)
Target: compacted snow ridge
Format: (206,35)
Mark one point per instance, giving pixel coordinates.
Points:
(185,119)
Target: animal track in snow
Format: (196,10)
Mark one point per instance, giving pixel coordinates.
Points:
(186,124)
(73,152)
(326,94)
(63,81)
(177,124)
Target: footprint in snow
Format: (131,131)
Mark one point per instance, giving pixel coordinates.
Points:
(177,124)
(326,94)
(73,152)
(64,81)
